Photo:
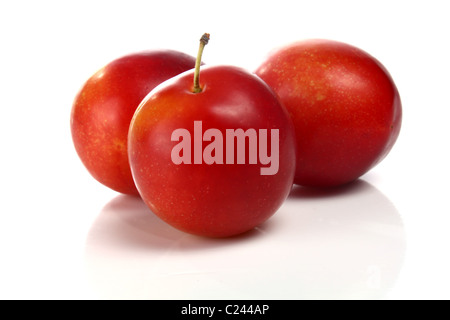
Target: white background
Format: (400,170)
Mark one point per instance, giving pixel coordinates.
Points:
(65,236)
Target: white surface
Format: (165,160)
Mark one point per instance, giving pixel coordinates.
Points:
(65,236)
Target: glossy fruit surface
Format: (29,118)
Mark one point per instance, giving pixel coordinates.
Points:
(207,194)
(104,106)
(344,105)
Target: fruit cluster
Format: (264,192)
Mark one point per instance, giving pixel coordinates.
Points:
(215,152)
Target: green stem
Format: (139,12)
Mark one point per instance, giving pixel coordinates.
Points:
(203,42)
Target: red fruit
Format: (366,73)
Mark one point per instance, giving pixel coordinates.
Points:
(344,104)
(103,109)
(190,170)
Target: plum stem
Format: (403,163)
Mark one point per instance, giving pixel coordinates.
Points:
(203,42)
